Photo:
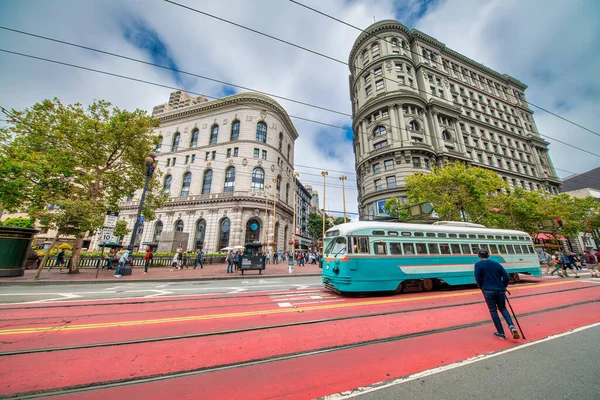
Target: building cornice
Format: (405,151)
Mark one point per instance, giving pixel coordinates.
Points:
(246,98)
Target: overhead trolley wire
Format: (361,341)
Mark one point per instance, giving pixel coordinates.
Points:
(438,63)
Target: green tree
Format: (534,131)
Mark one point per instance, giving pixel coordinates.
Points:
(456,191)
(121,229)
(338,221)
(395,209)
(18,222)
(84,161)
(315,225)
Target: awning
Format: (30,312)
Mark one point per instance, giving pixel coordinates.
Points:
(547,236)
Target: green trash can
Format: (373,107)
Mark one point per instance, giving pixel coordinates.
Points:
(14,243)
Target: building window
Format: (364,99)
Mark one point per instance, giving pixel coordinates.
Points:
(175,144)
(427,164)
(168,162)
(235,130)
(224,233)
(368,90)
(261,132)
(159,144)
(214,155)
(256,153)
(446,136)
(179,226)
(228,153)
(278,185)
(235,151)
(378,185)
(376,168)
(193,158)
(194,141)
(379,84)
(187,159)
(380,145)
(185,188)
(391,182)
(367,78)
(375,47)
(258,179)
(287,192)
(413,126)
(280,141)
(379,131)
(229,180)
(399,67)
(173,161)
(416,162)
(214,134)
(288,152)
(264,154)
(388,164)
(207,181)
(167,185)
(200,232)
(157,232)
(377,71)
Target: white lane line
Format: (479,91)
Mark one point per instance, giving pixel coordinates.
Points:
(317,302)
(316,297)
(382,385)
(285,304)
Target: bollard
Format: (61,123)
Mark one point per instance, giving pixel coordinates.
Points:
(291,266)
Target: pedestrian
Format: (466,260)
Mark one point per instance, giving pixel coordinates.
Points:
(568,261)
(176,263)
(230,262)
(199,259)
(186,260)
(147,259)
(60,260)
(493,280)
(575,261)
(122,262)
(557,264)
(547,260)
(597,255)
(236,260)
(592,264)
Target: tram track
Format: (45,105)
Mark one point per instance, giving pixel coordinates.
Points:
(76,389)
(267,327)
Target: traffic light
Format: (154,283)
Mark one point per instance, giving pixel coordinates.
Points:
(559,221)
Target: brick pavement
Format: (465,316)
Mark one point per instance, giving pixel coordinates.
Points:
(214,271)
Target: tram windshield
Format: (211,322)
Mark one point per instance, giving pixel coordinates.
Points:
(336,246)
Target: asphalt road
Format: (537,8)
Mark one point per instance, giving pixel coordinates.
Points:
(563,368)
(114,290)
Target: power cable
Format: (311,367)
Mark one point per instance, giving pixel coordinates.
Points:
(438,63)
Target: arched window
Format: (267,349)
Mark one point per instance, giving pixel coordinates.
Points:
(214,134)
(185,187)
(375,47)
(379,131)
(287,192)
(235,130)
(258,179)
(278,185)
(285,235)
(159,144)
(261,132)
(253,231)
(403,44)
(288,152)
(446,136)
(394,42)
(280,141)
(229,180)
(158,227)
(224,233)
(414,126)
(194,141)
(200,232)
(179,226)
(167,185)
(175,144)
(207,181)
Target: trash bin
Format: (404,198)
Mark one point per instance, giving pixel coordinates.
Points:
(14,244)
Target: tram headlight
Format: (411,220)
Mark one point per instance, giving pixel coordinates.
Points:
(336,270)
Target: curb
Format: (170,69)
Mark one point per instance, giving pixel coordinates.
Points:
(93,281)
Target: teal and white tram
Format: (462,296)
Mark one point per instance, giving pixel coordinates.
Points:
(370,256)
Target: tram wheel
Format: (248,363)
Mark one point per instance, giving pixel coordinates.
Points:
(516,277)
(427,285)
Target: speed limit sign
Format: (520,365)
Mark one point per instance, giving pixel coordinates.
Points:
(106,235)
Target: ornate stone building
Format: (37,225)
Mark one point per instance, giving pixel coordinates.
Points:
(417,103)
(216,159)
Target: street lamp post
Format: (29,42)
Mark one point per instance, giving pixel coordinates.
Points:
(151,165)
(324,173)
(343,178)
(295,176)
(266,223)
(276,181)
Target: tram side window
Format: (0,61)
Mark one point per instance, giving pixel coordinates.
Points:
(361,245)
(433,248)
(493,249)
(455,248)
(380,248)
(395,248)
(502,248)
(484,246)
(409,248)
(518,249)
(466,249)
(444,248)
(509,248)
(531,249)
(474,249)
(421,248)
(525,248)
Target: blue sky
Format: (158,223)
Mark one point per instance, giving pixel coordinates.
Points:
(551,45)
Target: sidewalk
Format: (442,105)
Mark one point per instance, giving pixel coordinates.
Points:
(157,274)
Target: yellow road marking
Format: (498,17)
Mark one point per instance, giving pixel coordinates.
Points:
(260,312)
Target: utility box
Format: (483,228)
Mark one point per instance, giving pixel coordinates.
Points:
(171,241)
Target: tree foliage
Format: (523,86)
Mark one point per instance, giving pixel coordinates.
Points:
(121,229)
(338,221)
(395,209)
(18,222)
(83,161)
(315,225)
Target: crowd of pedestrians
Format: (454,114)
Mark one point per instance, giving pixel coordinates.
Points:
(563,261)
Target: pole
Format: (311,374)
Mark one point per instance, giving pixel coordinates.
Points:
(294,175)
(266,224)
(101,259)
(324,173)
(343,178)
(274,217)
(515,316)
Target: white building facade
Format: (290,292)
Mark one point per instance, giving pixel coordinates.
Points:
(417,103)
(217,160)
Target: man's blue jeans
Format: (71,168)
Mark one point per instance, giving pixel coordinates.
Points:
(118,272)
(229,266)
(496,300)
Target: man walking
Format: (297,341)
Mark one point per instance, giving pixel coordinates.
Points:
(199,259)
(60,260)
(492,279)
(591,264)
(122,262)
(547,260)
(147,259)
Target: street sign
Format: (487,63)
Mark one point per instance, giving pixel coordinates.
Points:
(141,218)
(106,235)
(110,219)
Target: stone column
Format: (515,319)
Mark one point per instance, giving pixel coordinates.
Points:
(461,142)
